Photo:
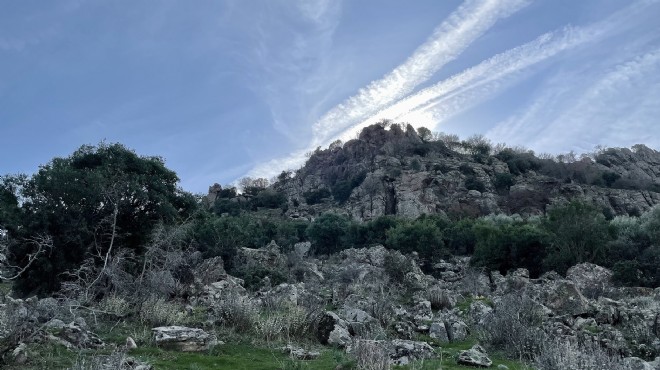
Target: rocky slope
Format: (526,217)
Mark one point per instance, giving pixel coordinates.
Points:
(377,301)
(393,171)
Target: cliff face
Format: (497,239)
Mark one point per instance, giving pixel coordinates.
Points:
(393,171)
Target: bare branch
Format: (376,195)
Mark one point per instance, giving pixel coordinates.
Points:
(43,243)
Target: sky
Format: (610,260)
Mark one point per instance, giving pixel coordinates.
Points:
(223,89)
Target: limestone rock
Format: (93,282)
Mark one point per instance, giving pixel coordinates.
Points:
(184,339)
(589,277)
(475,356)
(403,352)
(439,331)
(300,353)
(210,271)
(19,354)
(564,298)
(130,343)
(72,335)
(333,330)
(458,331)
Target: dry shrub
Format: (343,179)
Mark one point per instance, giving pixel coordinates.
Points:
(157,311)
(562,354)
(514,327)
(237,312)
(440,299)
(371,355)
(115,305)
(286,324)
(115,360)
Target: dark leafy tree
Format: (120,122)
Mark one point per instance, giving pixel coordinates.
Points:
(328,232)
(422,236)
(579,234)
(97,200)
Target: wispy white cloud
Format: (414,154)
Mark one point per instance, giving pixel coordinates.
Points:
(448,41)
(605,112)
(294,78)
(436,104)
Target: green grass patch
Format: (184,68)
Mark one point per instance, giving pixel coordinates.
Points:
(239,357)
(447,354)
(464,304)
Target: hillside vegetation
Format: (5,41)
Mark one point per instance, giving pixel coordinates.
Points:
(399,249)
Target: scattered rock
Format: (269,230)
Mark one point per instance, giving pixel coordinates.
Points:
(439,331)
(475,356)
(210,271)
(333,330)
(130,343)
(590,278)
(73,335)
(184,339)
(458,331)
(300,353)
(20,354)
(404,352)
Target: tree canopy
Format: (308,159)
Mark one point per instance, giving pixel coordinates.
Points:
(98,198)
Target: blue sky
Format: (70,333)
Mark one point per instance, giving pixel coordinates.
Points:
(224,89)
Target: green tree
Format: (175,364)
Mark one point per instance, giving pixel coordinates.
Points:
(422,236)
(91,203)
(10,211)
(510,245)
(328,232)
(579,234)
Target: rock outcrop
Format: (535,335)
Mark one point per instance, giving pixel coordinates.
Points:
(184,339)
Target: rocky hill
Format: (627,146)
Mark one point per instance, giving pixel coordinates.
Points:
(392,170)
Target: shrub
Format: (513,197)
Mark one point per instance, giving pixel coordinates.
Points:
(327,233)
(421,236)
(235,311)
(610,178)
(473,183)
(503,181)
(397,266)
(466,169)
(285,324)
(371,355)
(316,196)
(580,234)
(342,189)
(253,276)
(158,311)
(460,237)
(627,273)
(415,164)
(559,353)
(514,327)
(510,245)
(269,198)
(440,299)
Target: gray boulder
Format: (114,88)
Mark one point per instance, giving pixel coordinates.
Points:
(300,353)
(333,330)
(73,335)
(458,331)
(439,331)
(590,279)
(184,339)
(475,356)
(403,352)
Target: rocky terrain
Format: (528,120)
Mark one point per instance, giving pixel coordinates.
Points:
(486,258)
(376,302)
(394,171)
